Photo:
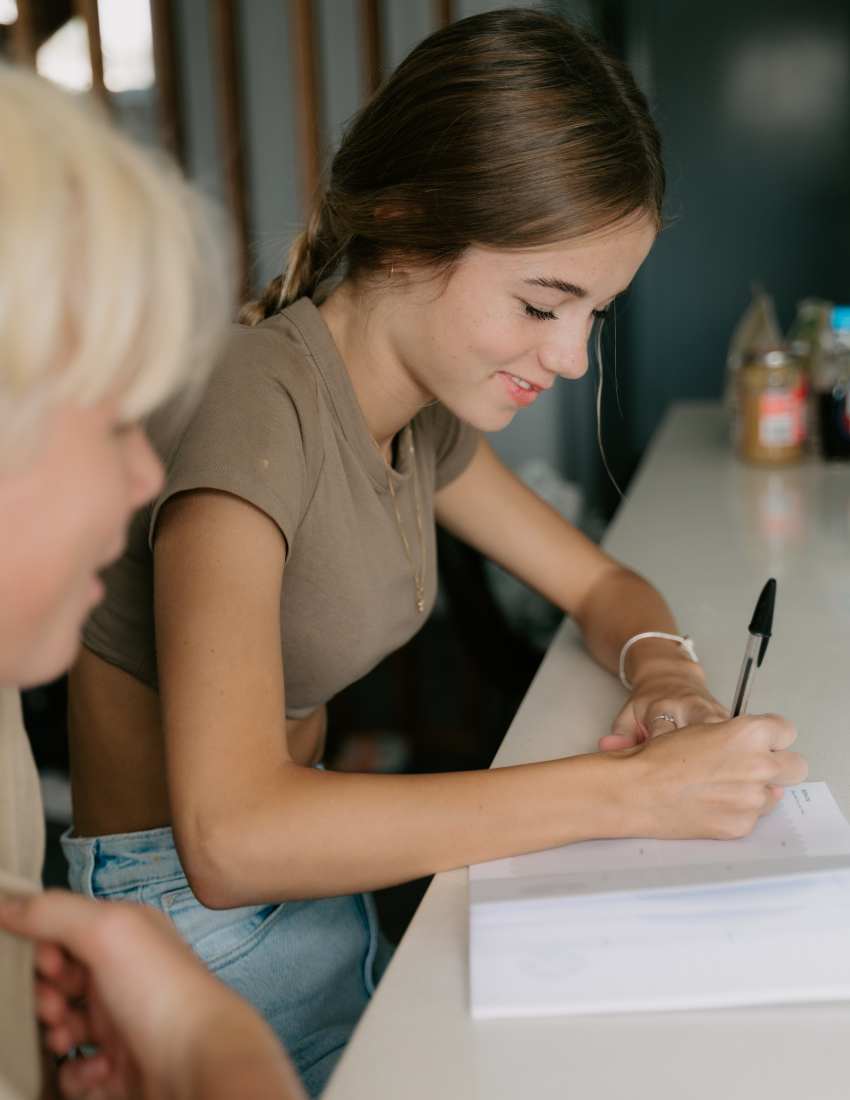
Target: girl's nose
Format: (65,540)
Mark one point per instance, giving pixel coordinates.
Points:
(569,359)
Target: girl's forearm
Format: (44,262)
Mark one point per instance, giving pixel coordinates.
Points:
(306,833)
(300,833)
(619,606)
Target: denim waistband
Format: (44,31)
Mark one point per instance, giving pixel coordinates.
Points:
(100,864)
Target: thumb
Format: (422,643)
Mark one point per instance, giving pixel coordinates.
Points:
(611,742)
(56,915)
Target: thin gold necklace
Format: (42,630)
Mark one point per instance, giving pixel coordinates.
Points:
(418,577)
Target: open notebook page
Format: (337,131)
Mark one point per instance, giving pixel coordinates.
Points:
(778,938)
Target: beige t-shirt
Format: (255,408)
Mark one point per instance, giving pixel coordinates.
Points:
(280,426)
(21,858)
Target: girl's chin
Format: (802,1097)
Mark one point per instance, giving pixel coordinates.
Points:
(485,412)
(491,420)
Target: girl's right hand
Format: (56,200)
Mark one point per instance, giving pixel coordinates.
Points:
(710,781)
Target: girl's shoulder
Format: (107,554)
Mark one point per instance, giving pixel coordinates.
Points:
(255,431)
(271,360)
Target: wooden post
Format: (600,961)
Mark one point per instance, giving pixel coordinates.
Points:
(225,52)
(445,14)
(373,47)
(88,10)
(307,103)
(167,87)
(23,34)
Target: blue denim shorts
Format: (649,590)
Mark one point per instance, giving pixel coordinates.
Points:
(310,967)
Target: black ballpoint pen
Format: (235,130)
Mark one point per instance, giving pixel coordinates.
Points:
(760,630)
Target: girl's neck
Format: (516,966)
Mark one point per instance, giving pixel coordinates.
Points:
(361,321)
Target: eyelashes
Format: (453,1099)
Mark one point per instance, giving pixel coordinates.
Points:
(541,315)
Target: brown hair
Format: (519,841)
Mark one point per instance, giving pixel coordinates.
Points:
(507,130)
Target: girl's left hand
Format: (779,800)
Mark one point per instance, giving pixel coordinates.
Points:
(677,688)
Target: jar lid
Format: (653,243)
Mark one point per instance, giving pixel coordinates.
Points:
(771,355)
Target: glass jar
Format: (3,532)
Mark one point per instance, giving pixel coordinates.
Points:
(772,392)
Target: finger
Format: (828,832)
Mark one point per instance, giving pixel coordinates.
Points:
(56,915)
(693,713)
(75,1031)
(781,732)
(791,768)
(613,741)
(52,1007)
(63,1027)
(626,722)
(626,728)
(686,712)
(50,960)
(60,970)
(651,711)
(58,1040)
(79,1076)
(701,713)
(662,724)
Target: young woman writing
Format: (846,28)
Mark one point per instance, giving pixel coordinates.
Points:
(484,209)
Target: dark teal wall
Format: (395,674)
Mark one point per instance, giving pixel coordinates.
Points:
(752,97)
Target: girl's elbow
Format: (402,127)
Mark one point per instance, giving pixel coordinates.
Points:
(213,865)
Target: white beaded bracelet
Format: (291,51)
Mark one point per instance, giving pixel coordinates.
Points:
(685,644)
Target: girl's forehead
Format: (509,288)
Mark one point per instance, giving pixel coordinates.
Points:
(559,265)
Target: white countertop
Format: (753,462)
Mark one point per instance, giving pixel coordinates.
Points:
(708,531)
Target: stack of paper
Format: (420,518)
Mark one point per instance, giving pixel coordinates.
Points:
(635,925)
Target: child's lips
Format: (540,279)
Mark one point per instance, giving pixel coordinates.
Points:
(519,390)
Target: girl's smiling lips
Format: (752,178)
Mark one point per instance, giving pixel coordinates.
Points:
(520,391)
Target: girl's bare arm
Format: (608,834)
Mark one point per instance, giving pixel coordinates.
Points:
(490,508)
(252,826)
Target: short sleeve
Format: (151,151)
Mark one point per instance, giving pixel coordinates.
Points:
(453,442)
(250,435)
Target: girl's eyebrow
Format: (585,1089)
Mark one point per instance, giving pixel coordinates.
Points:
(568,288)
(558,284)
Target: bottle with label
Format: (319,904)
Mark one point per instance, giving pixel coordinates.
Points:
(832,384)
(772,405)
(806,340)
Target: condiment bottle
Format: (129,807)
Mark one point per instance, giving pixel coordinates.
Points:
(832,383)
(806,339)
(772,391)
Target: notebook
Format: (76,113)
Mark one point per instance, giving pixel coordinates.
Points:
(639,925)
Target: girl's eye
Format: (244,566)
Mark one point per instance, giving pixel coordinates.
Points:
(601,312)
(539,314)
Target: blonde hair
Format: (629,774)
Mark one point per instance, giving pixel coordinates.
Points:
(111,278)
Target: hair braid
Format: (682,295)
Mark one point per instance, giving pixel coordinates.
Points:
(313,256)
